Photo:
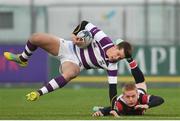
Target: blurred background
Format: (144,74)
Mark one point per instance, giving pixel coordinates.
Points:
(152,26)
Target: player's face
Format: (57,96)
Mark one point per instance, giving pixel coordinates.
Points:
(120,54)
(115,54)
(130,97)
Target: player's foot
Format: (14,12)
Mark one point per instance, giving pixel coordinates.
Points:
(97,108)
(32,96)
(15,57)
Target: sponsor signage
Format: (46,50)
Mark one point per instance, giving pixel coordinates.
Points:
(11,72)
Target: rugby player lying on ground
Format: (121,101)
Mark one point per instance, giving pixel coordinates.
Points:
(133,100)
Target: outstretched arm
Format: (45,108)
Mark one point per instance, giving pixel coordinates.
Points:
(137,74)
(106,111)
(112,94)
(112,80)
(154,101)
(102,112)
(135,70)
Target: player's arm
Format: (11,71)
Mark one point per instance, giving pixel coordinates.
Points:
(137,74)
(78,40)
(151,101)
(112,80)
(112,94)
(155,101)
(114,113)
(102,112)
(135,70)
(104,41)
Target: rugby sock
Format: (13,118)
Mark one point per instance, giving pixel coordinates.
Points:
(29,49)
(136,72)
(52,85)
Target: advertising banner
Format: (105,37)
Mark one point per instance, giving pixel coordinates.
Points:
(35,72)
(152,60)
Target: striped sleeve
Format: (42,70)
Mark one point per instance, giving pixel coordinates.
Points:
(100,36)
(112,73)
(145,99)
(118,106)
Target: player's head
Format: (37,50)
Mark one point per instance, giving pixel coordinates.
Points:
(130,94)
(125,47)
(124,50)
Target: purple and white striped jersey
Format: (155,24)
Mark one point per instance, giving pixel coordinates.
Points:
(94,56)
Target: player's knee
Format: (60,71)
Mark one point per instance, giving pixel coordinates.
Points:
(74,73)
(71,74)
(36,38)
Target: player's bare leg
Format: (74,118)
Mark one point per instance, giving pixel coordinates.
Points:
(142,85)
(47,42)
(50,44)
(69,71)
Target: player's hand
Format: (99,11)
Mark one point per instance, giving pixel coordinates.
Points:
(77,40)
(114,113)
(112,54)
(97,113)
(141,106)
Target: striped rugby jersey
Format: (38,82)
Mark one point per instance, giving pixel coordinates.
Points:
(94,56)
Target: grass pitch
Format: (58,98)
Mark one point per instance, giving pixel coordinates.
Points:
(77,104)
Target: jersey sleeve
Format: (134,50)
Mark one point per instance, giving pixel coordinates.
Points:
(105,111)
(151,100)
(145,99)
(100,36)
(155,101)
(118,106)
(112,73)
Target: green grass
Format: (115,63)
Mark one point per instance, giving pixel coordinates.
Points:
(77,104)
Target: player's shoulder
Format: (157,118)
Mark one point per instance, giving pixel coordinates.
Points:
(143,98)
(141,91)
(120,99)
(119,103)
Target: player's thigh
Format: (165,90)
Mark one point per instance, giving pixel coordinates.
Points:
(48,42)
(70,70)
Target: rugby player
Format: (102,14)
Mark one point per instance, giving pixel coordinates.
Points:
(101,53)
(134,100)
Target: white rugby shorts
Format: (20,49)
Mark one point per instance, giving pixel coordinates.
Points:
(66,52)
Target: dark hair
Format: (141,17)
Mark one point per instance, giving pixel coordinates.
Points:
(80,27)
(127,48)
